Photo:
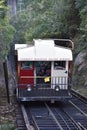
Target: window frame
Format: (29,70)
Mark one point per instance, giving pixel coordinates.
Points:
(26,65)
(61,65)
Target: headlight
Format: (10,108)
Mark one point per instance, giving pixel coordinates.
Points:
(57,88)
(28,87)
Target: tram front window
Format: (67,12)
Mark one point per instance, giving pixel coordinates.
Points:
(59,65)
(43,72)
(26,65)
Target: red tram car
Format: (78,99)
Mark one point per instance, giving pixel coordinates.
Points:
(44,70)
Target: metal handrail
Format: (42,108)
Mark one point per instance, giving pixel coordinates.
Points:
(66,40)
(43,77)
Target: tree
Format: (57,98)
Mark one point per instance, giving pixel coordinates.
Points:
(82,7)
(52,19)
(80,4)
(46,19)
(6,30)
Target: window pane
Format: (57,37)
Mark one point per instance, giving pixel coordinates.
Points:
(59,64)
(26,65)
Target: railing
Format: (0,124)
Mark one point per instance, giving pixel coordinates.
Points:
(70,44)
(47,81)
(60,82)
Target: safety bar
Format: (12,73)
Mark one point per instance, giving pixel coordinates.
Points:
(66,40)
(43,77)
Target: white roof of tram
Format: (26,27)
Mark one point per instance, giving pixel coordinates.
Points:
(43,50)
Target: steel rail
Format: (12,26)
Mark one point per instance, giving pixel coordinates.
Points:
(51,113)
(35,124)
(63,120)
(80,103)
(78,95)
(33,120)
(60,116)
(78,108)
(75,123)
(42,121)
(27,123)
(81,126)
(19,117)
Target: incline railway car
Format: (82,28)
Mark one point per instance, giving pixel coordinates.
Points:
(44,70)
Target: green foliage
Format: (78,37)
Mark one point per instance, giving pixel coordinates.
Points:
(7,127)
(3,8)
(45,19)
(6,35)
(82,6)
(6,30)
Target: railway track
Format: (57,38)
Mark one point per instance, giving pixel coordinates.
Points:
(71,115)
(19,118)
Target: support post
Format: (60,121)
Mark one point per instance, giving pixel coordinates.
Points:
(6,80)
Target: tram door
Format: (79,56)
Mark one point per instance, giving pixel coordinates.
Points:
(60,74)
(43,72)
(26,72)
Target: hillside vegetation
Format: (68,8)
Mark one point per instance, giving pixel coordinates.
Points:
(6,29)
(6,32)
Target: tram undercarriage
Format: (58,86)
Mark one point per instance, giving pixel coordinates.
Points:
(41,94)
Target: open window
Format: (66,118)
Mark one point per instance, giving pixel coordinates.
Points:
(43,72)
(26,65)
(59,65)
